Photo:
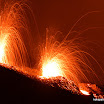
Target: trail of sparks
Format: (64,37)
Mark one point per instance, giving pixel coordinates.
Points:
(62,59)
(12,47)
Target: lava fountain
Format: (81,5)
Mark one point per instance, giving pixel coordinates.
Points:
(64,58)
(13,22)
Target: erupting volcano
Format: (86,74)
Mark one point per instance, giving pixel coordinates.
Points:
(62,65)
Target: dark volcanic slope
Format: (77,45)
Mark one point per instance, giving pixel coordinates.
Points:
(16,88)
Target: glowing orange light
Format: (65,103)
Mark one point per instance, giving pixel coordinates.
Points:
(12,48)
(51,69)
(2,49)
(1,52)
(84,92)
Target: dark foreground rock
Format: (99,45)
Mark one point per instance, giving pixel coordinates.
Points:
(16,88)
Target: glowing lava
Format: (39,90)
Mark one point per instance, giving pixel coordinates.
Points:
(13,22)
(51,69)
(1,52)
(2,48)
(84,92)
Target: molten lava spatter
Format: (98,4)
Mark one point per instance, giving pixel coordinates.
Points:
(84,92)
(2,48)
(51,69)
(13,22)
(1,52)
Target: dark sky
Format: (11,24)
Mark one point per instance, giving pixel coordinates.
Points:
(62,14)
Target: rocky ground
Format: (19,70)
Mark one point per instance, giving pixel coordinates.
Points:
(18,88)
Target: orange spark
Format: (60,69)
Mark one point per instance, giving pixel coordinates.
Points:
(12,23)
